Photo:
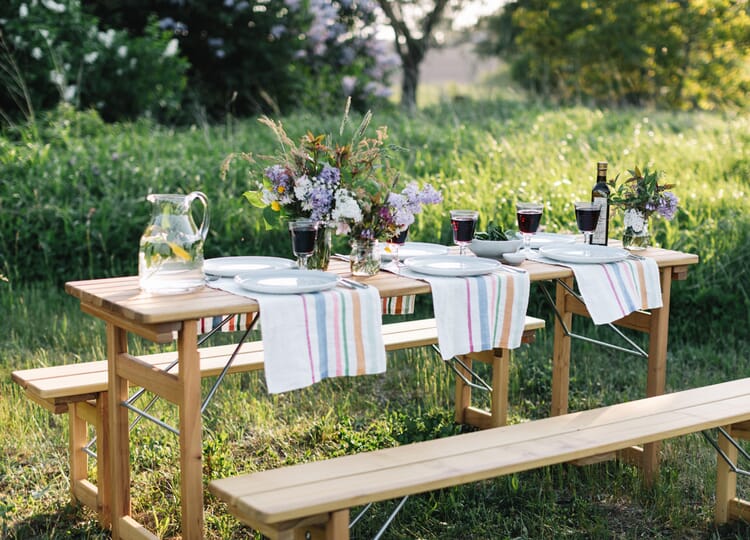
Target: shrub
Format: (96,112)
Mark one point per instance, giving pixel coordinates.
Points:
(270,55)
(62,54)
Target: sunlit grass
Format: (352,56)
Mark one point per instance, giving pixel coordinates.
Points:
(485,152)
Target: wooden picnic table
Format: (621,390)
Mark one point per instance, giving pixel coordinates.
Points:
(163,319)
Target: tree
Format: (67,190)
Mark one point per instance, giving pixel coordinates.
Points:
(412,45)
(678,54)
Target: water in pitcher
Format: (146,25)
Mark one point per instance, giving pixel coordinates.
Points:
(170,258)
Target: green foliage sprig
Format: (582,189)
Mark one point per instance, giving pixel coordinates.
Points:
(643,192)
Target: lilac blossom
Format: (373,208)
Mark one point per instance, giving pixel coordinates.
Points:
(331,176)
(667,205)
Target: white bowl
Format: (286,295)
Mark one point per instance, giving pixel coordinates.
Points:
(494,249)
(514,259)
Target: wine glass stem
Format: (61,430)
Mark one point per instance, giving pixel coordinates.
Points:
(527,242)
(302,261)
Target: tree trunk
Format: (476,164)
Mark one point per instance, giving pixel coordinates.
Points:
(409,84)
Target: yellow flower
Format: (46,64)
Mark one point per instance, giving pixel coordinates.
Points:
(275,206)
(281,189)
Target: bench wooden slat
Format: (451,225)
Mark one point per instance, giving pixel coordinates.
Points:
(65,383)
(315,488)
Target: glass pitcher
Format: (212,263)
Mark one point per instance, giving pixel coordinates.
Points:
(170,259)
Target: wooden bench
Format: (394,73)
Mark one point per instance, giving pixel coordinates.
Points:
(312,500)
(80,389)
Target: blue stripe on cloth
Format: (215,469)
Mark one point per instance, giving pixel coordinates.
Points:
(632,305)
(320,327)
(484,326)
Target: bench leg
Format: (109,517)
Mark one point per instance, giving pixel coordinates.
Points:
(78,439)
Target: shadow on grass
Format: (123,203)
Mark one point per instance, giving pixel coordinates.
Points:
(69,522)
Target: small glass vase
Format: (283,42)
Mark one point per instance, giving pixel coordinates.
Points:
(636,236)
(322,255)
(364,259)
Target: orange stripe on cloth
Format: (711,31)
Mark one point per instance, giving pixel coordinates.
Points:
(508,311)
(357,314)
(642,283)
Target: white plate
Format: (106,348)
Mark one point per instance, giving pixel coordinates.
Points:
(287,281)
(452,265)
(575,254)
(412,249)
(231,266)
(543,239)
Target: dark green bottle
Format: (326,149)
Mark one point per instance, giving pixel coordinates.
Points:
(600,196)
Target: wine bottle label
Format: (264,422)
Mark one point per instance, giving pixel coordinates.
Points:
(600,235)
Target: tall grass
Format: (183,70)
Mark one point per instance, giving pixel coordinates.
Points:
(72,205)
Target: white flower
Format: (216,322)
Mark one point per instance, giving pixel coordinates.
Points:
(302,187)
(44,32)
(171,49)
(107,38)
(346,207)
(54,6)
(56,77)
(91,57)
(23,11)
(36,52)
(70,93)
(122,51)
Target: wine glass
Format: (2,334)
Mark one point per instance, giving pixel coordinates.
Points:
(304,233)
(587,216)
(395,242)
(529,215)
(463,222)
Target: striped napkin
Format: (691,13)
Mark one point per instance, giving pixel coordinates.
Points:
(313,336)
(613,290)
(477,313)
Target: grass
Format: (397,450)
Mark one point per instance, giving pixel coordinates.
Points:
(484,152)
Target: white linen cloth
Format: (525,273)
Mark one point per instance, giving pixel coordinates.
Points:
(613,290)
(309,337)
(477,313)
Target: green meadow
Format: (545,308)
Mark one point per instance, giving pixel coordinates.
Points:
(72,206)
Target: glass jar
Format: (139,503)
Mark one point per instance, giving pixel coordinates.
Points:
(364,259)
(321,257)
(636,236)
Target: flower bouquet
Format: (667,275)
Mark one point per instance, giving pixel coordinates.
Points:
(640,196)
(349,186)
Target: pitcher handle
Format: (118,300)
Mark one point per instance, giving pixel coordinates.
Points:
(203,229)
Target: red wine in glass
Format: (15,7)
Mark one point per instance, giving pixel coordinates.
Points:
(394,242)
(464,223)
(529,215)
(304,232)
(587,216)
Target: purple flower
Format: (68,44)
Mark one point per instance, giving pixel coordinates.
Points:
(320,201)
(280,178)
(667,205)
(331,176)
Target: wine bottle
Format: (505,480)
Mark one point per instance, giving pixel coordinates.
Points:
(600,196)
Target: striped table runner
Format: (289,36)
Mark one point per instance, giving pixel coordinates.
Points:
(478,313)
(313,336)
(613,290)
